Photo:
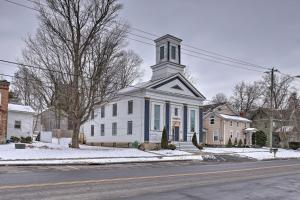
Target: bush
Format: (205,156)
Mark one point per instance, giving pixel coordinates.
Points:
(164,139)
(294,145)
(135,144)
(195,142)
(26,139)
(172,146)
(229,144)
(235,142)
(259,138)
(14,139)
(240,144)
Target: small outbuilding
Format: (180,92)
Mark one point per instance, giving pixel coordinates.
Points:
(20,121)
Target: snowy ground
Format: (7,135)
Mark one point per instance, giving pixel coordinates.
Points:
(256,153)
(54,153)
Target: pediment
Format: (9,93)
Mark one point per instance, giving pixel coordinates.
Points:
(178,85)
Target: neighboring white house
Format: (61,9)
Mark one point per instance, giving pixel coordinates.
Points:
(140,112)
(20,121)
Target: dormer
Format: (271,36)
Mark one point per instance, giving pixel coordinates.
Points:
(168,57)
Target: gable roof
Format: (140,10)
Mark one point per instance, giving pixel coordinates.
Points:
(234,118)
(211,107)
(20,108)
(155,84)
(182,79)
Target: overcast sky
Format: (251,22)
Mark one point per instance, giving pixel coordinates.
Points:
(265,33)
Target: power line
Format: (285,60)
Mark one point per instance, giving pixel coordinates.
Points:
(224,58)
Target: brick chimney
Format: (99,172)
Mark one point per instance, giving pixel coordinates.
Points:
(4,88)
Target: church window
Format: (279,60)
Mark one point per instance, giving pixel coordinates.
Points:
(162,52)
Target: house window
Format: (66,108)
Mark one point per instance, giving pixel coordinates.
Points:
(92,130)
(216,135)
(245,125)
(162,52)
(102,111)
(212,119)
(176,111)
(230,123)
(237,135)
(130,107)
(115,109)
(192,118)
(237,124)
(156,117)
(17,124)
(173,52)
(93,114)
(114,128)
(129,128)
(102,129)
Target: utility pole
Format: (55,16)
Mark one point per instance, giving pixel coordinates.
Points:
(271,109)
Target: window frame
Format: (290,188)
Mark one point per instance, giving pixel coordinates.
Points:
(162,52)
(176,112)
(130,111)
(129,125)
(102,130)
(155,120)
(114,109)
(216,135)
(173,48)
(114,129)
(92,130)
(192,128)
(18,126)
(212,119)
(102,111)
(92,114)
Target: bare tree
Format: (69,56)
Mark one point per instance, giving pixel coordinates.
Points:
(188,75)
(79,48)
(220,98)
(280,90)
(246,96)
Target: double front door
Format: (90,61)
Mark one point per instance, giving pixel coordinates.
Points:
(176,133)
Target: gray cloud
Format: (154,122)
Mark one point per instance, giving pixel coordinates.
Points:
(262,32)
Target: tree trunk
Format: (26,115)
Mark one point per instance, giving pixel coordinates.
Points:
(75,136)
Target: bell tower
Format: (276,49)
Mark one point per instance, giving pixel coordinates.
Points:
(168,57)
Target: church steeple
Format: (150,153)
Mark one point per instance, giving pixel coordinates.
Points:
(168,57)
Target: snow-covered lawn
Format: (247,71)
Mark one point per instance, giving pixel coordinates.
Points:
(171,153)
(60,153)
(256,153)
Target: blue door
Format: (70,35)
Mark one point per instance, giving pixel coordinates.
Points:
(176,133)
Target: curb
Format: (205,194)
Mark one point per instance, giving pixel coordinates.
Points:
(96,162)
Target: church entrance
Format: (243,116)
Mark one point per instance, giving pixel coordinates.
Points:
(176,133)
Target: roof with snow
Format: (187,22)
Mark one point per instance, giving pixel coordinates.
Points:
(235,118)
(20,108)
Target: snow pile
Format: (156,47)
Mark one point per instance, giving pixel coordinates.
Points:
(170,152)
(256,153)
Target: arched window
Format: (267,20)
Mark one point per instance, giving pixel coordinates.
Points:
(212,119)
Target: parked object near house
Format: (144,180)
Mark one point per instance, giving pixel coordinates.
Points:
(4,89)
(20,121)
(139,113)
(221,122)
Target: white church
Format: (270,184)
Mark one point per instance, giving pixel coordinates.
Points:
(140,112)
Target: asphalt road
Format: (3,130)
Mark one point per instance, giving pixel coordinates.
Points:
(279,179)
